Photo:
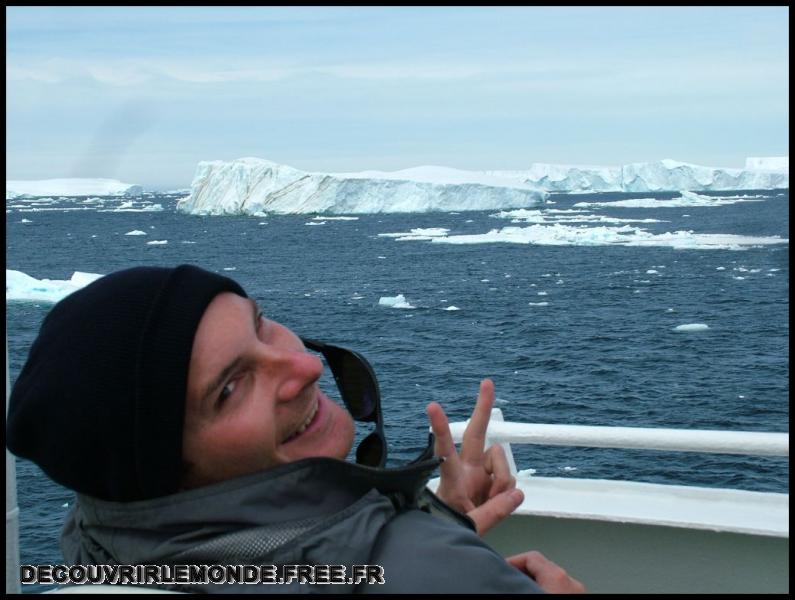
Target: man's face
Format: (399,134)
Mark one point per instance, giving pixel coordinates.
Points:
(253,400)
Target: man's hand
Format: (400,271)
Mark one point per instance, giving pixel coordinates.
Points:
(547,574)
(475,482)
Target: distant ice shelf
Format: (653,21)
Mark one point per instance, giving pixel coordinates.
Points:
(70,187)
(661,176)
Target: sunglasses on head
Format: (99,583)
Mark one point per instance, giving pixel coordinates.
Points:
(358,387)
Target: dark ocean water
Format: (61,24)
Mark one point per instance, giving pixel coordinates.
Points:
(601,352)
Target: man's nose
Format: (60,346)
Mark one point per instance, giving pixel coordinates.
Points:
(294,370)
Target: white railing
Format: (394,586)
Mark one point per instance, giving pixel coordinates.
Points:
(682,440)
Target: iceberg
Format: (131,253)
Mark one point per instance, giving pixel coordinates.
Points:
(398,301)
(692,327)
(568,178)
(661,176)
(70,188)
(251,185)
(22,287)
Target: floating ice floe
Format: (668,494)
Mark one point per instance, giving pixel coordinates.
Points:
(417,234)
(135,232)
(22,287)
(692,327)
(451,307)
(336,218)
(157,243)
(398,301)
(563,235)
(687,199)
(549,217)
(130,207)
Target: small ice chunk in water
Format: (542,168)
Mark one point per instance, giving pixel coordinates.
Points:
(692,327)
(135,232)
(451,307)
(157,243)
(398,301)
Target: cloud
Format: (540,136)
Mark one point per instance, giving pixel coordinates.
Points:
(136,72)
(567,74)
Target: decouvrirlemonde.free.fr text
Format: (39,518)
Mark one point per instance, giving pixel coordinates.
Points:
(200,574)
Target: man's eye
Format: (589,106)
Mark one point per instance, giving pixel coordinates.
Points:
(226,391)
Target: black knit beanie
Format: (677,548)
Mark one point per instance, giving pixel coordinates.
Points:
(100,402)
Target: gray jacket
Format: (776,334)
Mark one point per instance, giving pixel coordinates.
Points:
(316,511)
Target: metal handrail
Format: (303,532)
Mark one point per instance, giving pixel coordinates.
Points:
(755,443)
(683,440)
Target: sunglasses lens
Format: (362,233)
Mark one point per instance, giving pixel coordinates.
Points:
(372,451)
(355,381)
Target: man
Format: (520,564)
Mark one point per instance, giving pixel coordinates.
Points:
(194,432)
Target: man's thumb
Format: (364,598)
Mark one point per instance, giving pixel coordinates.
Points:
(494,510)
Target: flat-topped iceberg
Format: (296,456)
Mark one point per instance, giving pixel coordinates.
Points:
(70,187)
(664,175)
(252,185)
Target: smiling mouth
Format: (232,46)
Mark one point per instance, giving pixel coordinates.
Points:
(304,425)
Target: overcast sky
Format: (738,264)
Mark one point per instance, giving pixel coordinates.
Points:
(142,94)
